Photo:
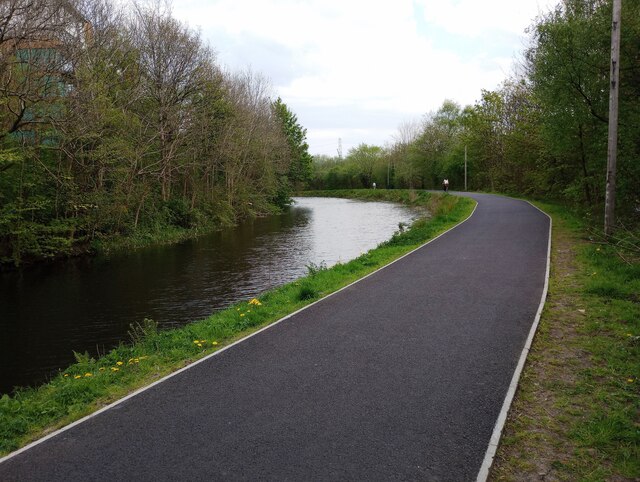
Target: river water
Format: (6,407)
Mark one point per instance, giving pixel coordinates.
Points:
(48,312)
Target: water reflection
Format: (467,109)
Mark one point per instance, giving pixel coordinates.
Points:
(88,305)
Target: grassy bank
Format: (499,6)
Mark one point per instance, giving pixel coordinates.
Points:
(576,412)
(405,196)
(91,384)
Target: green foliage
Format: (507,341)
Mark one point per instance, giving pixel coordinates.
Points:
(296,136)
(313,268)
(307,292)
(143,332)
(155,142)
(364,165)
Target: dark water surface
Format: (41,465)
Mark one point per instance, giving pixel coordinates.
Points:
(88,304)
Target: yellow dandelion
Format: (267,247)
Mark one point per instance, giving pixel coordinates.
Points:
(199,345)
(630,380)
(88,374)
(114,369)
(102,369)
(66,374)
(241,314)
(196,341)
(77,376)
(119,363)
(136,360)
(214,343)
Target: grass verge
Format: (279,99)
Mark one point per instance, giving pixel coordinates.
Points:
(90,384)
(404,196)
(576,412)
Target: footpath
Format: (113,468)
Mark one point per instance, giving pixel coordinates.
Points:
(400,376)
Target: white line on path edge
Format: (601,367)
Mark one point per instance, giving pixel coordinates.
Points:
(502,417)
(137,392)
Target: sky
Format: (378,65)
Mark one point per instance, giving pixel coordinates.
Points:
(353,71)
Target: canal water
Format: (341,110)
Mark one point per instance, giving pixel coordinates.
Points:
(48,312)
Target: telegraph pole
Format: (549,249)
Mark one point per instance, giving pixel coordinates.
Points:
(465,168)
(612,150)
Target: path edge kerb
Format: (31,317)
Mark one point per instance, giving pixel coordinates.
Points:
(218,352)
(490,454)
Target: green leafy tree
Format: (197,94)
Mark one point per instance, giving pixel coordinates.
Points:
(296,135)
(431,152)
(363,160)
(568,67)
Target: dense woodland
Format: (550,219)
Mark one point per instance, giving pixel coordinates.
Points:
(543,133)
(117,122)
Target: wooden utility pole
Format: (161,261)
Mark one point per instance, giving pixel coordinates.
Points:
(612,151)
(465,167)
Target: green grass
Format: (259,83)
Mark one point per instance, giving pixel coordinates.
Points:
(90,384)
(405,196)
(143,238)
(576,413)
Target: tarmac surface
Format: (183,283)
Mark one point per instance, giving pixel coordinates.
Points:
(400,376)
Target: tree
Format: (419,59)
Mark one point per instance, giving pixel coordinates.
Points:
(364,158)
(139,130)
(171,60)
(431,150)
(296,135)
(568,67)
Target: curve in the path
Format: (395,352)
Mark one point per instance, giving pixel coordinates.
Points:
(400,376)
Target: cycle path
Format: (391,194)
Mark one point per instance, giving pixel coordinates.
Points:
(400,376)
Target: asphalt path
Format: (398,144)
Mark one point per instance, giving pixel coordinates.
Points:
(400,376)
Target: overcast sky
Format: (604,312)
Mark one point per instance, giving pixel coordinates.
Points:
(354,70)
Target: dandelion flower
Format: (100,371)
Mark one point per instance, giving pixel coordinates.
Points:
(630,380)
(77,376)
(66,374)
(214,343)
(88,374)
(195,342)
(119,363)
(199,345)
(114,369)
(102,369)
(241,314)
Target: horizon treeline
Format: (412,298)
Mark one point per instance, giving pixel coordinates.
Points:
(117,121)
(542,133)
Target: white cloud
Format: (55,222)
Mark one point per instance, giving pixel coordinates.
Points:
(368,65)
(473,18)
